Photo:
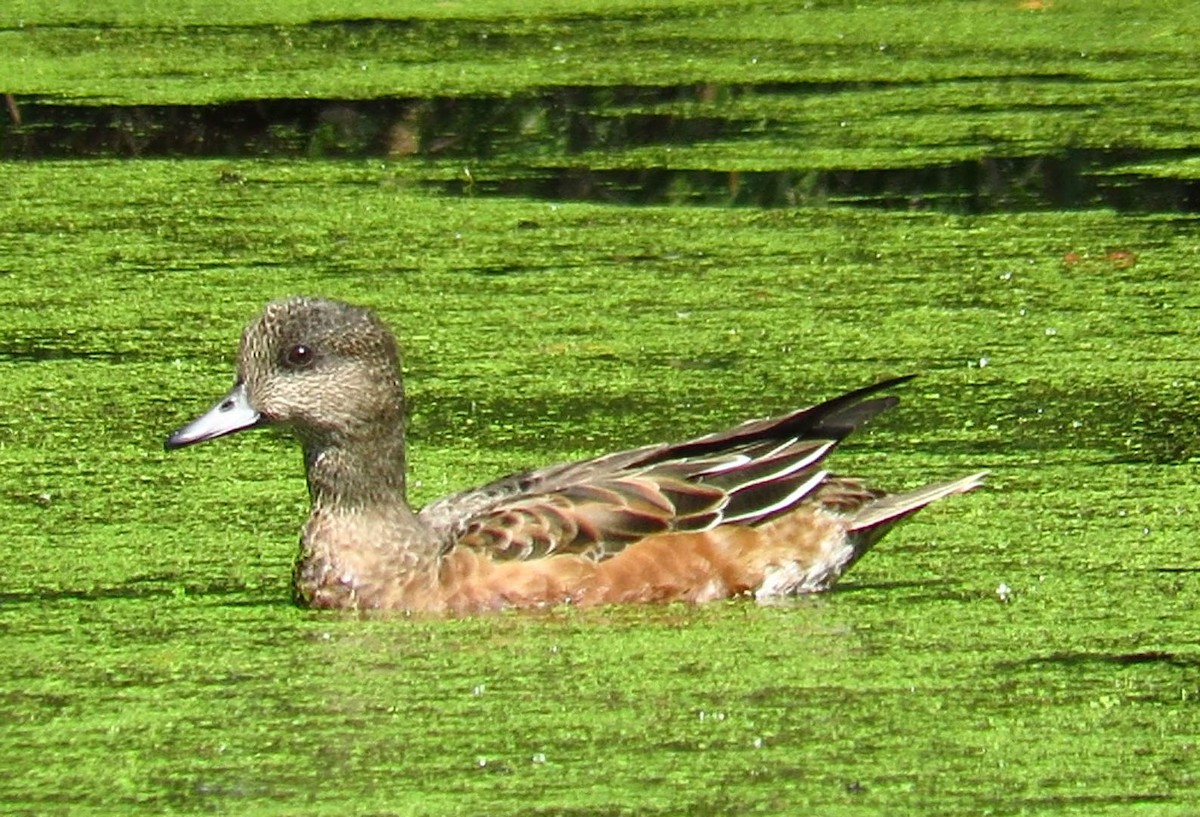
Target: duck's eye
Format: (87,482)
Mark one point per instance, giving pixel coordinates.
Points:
(299,356)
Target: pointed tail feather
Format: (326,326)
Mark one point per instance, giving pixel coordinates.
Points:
(874,520)
(894,507)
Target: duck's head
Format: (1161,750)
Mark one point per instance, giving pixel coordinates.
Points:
(328,370)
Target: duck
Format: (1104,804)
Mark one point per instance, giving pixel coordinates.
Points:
(748,511)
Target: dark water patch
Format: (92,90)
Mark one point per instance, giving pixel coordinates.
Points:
(42,354)
(573,120)
(1120,659)
(1069,180)
(1088,801)
(572,144)
(236,594)
(475,127)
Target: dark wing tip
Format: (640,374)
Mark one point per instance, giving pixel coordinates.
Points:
(845,413)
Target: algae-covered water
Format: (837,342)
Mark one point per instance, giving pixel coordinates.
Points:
(1029,648)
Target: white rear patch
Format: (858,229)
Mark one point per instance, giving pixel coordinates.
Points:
(714,589)
(793,578)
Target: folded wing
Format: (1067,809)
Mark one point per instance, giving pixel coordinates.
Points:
(748,474)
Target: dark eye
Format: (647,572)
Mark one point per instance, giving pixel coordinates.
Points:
(299,357)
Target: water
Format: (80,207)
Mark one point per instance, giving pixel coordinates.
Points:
(153,662)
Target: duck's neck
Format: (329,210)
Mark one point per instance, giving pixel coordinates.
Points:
(363,546)
(357,473)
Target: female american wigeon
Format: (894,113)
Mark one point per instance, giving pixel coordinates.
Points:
(749,510)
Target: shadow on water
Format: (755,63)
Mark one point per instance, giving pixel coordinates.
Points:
(1157,427)
(556,132)
(41,354)
(1072,179)
(1120,659)
(226,593)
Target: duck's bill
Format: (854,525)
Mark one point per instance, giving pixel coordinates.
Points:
(232,413)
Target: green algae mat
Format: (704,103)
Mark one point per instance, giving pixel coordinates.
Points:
(1031,648)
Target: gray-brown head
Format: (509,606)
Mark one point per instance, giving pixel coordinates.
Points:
(328,370)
